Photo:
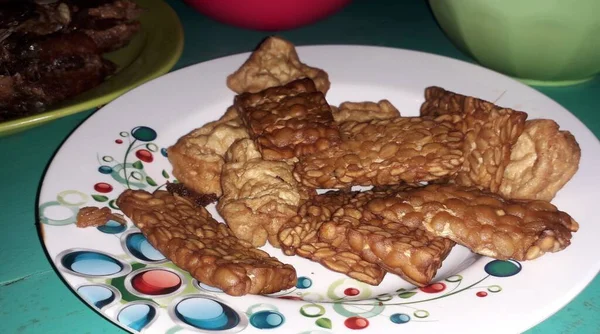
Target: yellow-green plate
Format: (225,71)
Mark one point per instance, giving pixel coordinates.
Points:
(152,52)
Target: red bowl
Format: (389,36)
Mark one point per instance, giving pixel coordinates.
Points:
(269,15)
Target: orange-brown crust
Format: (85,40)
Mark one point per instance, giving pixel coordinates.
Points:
(187,235)
(288,121)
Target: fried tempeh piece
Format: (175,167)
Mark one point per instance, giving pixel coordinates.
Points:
(405,248)
(194,241)
(274,63)
(259,196)
(288,121)
(386,152)
(364,111)
(300,236)
(483,222)
(490,132)
(197,157)
(542,161)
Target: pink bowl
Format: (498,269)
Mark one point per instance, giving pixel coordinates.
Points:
(267,15)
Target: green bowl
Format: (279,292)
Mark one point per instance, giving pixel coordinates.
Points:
(540,42)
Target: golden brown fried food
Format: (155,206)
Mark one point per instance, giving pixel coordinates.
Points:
(197,158)
(364,111)
(259,196)
(195,242)
(300,236)
(386,152)
(542,161)
(490,131)
(483,222)
(288,121)
(93,216)
(274,63)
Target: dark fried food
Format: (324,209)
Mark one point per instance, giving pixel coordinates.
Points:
(197,158)
(386,152)
(542,161)
(274,63)
(259,196)
(196,198)
(288,121)
(187,235)
(483,222)
(300,236)
(490,131)
(364,111)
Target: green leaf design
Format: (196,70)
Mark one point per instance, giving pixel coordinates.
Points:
(100,198)
(165,174)
(151,181)
(137,165)
(324,323)
(407,294)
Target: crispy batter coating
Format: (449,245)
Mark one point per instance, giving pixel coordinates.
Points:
(490,131)
(364,111)
(93,216)
(187,235)
(483,222)
(542,161)
(300,236)
(197,157)
(288,121)
(259,196)
(274,63)
(386,152)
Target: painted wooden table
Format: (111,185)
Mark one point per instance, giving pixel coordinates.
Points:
(33,299)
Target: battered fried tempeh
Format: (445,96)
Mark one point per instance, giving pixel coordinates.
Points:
(386,152)
(542,161)
(197,158)
(483,222)
(299,236)
(194,241)
(288,121)
(490,131)
(364,111)
(274,63)
(259,196)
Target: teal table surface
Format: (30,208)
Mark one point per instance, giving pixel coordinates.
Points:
(33,299)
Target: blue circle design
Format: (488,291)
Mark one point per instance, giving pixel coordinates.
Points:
(206,313)
(112,227)
(303,282)
(138,246)
(500,268)
(97,295)
(91,263)
(163,151)
(267,319)
(400,318)
(143,133)
(137,316)
(105,169)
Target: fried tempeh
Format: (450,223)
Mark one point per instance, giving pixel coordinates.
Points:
(300,236)
(484,222)
(194,241)
(197,157)
(386,152)
(364,111)
(542,161)
(259,196)
(288,121)
(490,132)
(274,63)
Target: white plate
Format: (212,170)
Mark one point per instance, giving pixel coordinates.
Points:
(479,297)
